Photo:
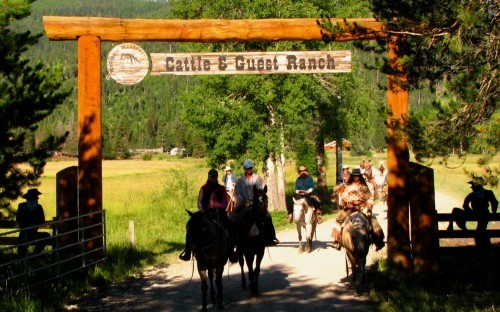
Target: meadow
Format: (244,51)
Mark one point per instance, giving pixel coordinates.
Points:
(155,193)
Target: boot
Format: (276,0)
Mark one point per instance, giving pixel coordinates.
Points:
(318,216)
(380,244)
(233,257)
(378,240)
(289,218)
(186,254)
(336,239)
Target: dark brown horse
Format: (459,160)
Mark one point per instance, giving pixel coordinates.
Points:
(211,253)
(356,240)
(251,238)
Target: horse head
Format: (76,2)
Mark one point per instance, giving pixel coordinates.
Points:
(260,200)
(300,206)
(356,235)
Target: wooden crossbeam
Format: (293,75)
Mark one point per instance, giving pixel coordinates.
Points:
(202,30)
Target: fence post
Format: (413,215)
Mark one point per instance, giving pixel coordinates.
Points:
(131,234)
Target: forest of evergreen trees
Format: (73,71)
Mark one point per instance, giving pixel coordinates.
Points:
(152,113)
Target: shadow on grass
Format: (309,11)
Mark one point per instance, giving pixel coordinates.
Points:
(467,281)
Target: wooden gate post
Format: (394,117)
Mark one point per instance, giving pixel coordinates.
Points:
(90,142)
(424,234)
(398,157)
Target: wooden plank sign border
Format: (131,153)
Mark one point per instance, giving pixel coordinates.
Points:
(288,62)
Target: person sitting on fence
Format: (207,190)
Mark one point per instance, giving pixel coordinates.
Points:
(30,216)
(476,206)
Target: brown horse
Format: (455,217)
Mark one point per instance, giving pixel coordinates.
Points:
(304,217)
(356,240)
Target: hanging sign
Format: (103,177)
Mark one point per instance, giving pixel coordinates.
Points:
(287,62)
(127,64)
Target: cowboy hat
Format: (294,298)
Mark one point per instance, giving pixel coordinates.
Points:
(32,193)
(345,167)
(302,168)
(356,172)
(228,168)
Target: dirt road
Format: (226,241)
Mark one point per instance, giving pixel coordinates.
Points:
(288,281)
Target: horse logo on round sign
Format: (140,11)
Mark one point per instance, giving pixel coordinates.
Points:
(127,64)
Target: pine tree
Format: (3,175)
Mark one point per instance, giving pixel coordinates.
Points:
(28,94)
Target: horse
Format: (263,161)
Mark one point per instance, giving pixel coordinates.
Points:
(251,238)
(304,217)
(211,253)
(356,240)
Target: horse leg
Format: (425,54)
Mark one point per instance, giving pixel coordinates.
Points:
(251,273)
(211,279)
(258,261)
(309,238)
(299,232)
(241,261)
(204,289)
(218,283)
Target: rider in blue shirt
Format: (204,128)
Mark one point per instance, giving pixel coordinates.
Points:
(305,185)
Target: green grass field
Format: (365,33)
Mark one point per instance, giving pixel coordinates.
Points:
(154,194)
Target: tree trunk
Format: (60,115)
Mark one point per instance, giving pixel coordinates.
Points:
(281,182)
(321,167)
(272,189)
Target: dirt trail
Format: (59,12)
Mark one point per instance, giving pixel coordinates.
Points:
(288,281)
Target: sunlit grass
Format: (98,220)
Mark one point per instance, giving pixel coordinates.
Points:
(154,195)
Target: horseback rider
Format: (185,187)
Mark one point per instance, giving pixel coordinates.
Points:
(357,197)
(244,198)
(212,195)
(304,186)
(229,180)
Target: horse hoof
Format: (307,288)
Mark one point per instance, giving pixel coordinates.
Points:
(255,292)
(300,250)
(220,305)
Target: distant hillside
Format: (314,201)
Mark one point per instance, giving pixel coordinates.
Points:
(140,116)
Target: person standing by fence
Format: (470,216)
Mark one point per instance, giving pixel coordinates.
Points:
(30,216)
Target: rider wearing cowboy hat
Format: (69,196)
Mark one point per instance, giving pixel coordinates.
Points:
(356,197)
(305,185)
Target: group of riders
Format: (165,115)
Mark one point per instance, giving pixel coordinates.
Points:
(230,202)
(232,198)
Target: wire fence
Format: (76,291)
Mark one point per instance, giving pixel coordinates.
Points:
(73,245)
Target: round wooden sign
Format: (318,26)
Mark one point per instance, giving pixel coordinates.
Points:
(127,64)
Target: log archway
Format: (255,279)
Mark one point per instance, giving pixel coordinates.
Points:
(91,31)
